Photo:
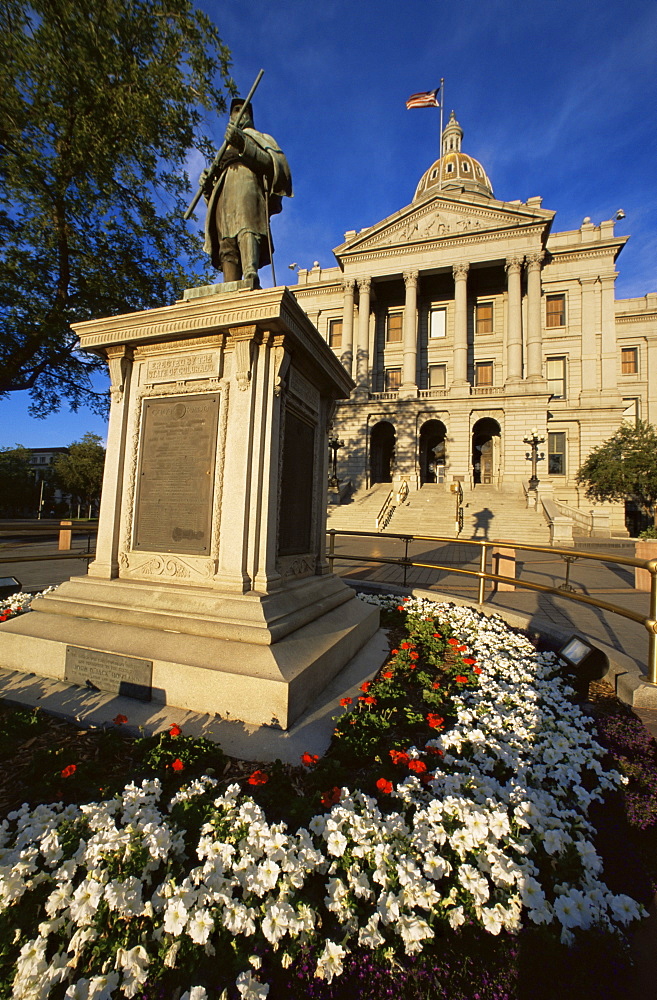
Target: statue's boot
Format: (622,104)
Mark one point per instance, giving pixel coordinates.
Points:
(249,244)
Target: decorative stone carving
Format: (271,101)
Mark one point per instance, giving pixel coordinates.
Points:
(119,360)
(411,279)
(282,360)
(513,264)
(460,271)
(535,260)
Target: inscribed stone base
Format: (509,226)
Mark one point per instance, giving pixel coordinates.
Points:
(253,683)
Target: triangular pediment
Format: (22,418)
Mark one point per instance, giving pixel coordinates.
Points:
(441,217)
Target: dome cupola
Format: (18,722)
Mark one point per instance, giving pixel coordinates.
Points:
(455,170)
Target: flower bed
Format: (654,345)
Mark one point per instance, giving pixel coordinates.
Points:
(467,815)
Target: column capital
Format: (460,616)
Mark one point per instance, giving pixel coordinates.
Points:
(348,284)
(460,271)
(411,278)
(535,260)
(364,284)
(513,265)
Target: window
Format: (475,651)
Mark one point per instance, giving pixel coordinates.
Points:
(484,317)
(437,376)
(391,379)
(555,310)
(557,454)
(437,323)
(555,373)
(335,333)
(629,361)
(483,373)
(394,328)
(631,411)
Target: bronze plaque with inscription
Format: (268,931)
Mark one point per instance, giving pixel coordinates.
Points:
(173,512)
(98,670)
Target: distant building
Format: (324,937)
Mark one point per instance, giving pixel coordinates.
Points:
(466,323)
(42,459)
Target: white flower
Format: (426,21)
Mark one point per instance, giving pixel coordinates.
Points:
(336,843)
(251,988)
(200,926)
(329,963)
(175,917)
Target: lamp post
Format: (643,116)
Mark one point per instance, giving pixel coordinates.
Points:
(533,440)
(334,444)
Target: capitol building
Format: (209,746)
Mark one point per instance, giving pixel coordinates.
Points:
(467,323)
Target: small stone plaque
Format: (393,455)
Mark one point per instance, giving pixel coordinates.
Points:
(96,669)
(175,486)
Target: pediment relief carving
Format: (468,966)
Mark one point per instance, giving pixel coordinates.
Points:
(436,221)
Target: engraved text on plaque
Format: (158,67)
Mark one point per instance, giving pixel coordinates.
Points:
(95,668)
(176,474)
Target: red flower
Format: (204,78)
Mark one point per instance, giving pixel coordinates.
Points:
(460,679)
(384,786)
(309,759)
(435,685)
(366,686)
(330,798)
(417,765)
(435,721)
(177,764)
(461,649)
(345,701)
(120,719)
(175,730)
(477,670)
(388,674)
(259,778)
(437,635)
(400,607)
(406,645)
(469,661)
(436,751)
(69,770)
(414,656)
(398,757)
(394,652)
(453,642)
(370,700)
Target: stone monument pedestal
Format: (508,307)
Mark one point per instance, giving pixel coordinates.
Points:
(210,588)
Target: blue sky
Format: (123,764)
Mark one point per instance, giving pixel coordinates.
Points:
(556,98)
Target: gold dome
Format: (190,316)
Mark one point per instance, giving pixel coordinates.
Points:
(455,170)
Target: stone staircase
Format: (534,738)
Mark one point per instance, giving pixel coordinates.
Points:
(360,512)
(488,513)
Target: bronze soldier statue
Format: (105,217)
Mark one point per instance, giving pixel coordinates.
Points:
(242,192)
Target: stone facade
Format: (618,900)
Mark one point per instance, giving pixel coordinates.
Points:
(466,323)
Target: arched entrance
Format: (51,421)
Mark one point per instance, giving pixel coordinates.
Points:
(432,452)
(382,452)
(485,451)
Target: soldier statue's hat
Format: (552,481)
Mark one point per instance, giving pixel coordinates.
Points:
(237,102)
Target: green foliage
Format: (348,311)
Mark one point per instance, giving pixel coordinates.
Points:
(624,466)
(100,106)
(650,532)
(18,490)
(80,472)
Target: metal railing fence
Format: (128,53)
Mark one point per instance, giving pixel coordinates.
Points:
(564,590)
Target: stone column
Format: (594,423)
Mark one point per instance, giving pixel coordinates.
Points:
(534,317)
(460,272)
(590,379)
(106,563)
(362,349)
(347,354)
(609,359)
(514,328)
(409,371)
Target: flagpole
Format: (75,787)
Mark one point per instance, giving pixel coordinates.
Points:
(440,139)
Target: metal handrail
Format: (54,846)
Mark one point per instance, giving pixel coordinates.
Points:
(382,512)
(649,622)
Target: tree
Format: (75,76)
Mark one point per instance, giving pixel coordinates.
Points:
(80,472)
(624,467)
(100,106)
(18,490)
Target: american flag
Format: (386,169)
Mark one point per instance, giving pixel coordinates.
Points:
(426,99)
